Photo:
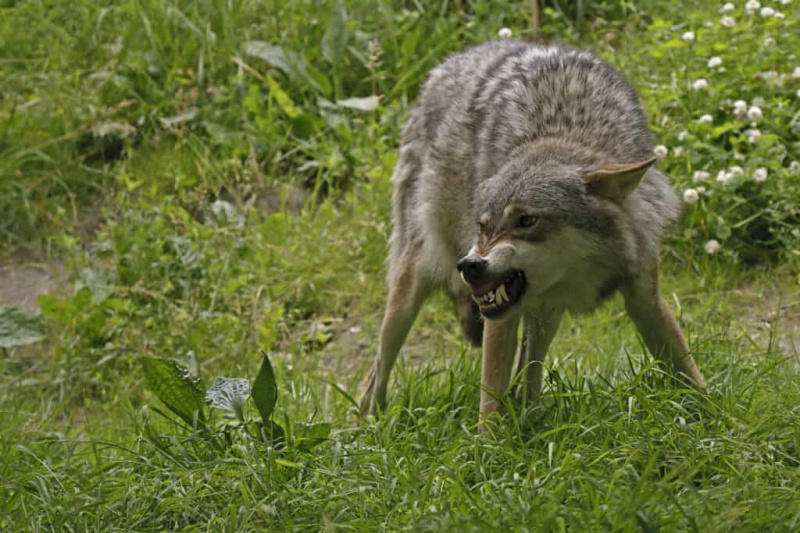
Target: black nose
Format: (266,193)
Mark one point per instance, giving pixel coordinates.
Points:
(472,267)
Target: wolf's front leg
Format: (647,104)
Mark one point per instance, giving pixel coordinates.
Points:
(499,348)
(659,329)
(539,329)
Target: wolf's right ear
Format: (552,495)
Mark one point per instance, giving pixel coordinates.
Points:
(616,181)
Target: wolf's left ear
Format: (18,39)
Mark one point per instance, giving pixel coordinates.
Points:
(616,181)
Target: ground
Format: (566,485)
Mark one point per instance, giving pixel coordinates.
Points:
(207,182)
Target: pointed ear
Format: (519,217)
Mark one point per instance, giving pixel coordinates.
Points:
(616,181)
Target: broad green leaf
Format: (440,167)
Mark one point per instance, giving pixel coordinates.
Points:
(722,129)
(283,99)
(265,390)
(229,394)
(174,386)
(274,55)
(334,42)
(369,103)
(18,328)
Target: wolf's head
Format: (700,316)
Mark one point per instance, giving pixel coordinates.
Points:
(542,222)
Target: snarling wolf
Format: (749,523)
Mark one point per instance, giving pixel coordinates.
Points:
(526,186)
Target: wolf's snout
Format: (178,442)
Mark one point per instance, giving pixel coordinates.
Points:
(472,267)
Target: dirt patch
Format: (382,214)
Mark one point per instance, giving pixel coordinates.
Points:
(21,283)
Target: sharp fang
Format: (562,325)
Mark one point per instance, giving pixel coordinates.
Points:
(502,295)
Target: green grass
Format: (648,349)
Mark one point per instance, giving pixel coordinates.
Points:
(121,124)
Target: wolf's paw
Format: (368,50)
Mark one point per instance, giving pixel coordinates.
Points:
(368,404)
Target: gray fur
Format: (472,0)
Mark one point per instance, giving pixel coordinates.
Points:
(506,132)
(508,121)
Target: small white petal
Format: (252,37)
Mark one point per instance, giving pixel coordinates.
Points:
(712,247)
(714,62)
(767,12)
(728,7)
(706,119)
(735,171)
(700,84)
(691,196)
(688,36)
(728,22)
(700,175)
(760,175)
(660,151)
(755,114)
(505,33)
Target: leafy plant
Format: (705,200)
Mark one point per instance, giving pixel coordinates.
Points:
(185,395)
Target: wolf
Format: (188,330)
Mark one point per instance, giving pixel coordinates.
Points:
(526,187)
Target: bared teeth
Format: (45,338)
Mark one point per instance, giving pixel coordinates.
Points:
(501,294)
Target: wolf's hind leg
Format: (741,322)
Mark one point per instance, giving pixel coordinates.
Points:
(539,329)
(407,293)
(659,329)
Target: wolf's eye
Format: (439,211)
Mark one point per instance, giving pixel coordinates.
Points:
(527,221)
(482,226)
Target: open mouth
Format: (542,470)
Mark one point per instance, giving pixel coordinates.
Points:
(494,298)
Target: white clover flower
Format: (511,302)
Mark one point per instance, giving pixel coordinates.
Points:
(688,36)
(760,175)
(735,171)
(740,108)
(505,33)
(728,22)
(798,93)
(677,151)
(779,15)
(683,135)
(700,175)
(723,177)
(700,84)
(728,8)
(794,167)
(769,42)
(753,135)
(752,5)
(767,75)
(691,196)
(660,151)
(786,2)
(713,247)
(706,119)
(767,12)
(796,73)
(739,157)
(755,114)
(714,62)
(701,189)
(758,101)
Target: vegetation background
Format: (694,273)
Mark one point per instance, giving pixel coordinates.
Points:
(198,181)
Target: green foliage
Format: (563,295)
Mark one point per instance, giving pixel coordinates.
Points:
(265,390)
(215,177)
(17,328)
(725,104)
(174,386)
